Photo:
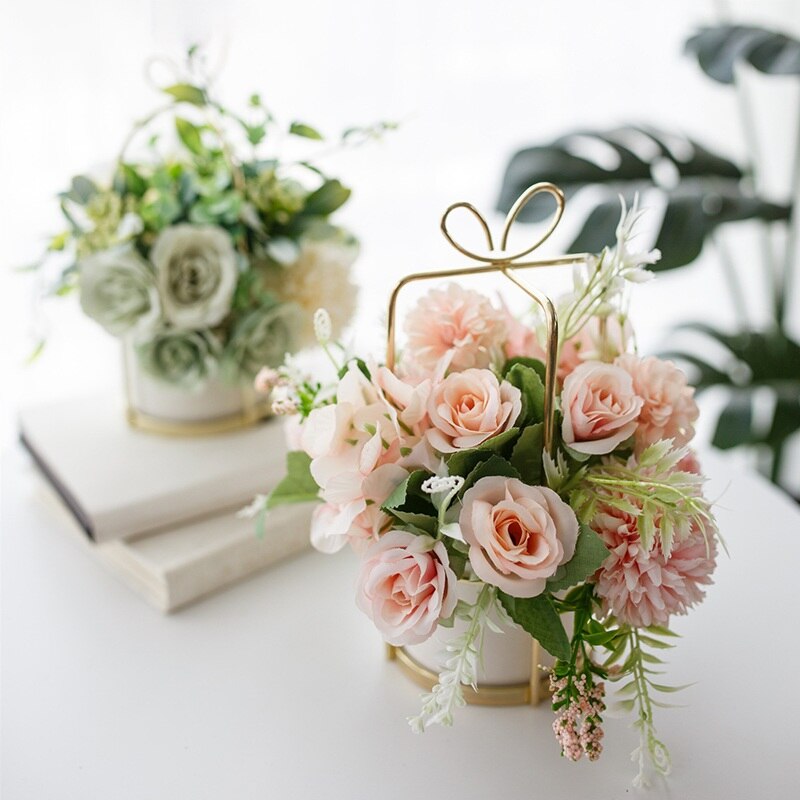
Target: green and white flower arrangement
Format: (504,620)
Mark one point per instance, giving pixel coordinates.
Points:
(208,252)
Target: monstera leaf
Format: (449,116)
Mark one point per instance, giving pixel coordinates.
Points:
(701,189)
(750,365)
(720,48)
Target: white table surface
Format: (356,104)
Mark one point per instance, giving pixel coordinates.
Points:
(278,688)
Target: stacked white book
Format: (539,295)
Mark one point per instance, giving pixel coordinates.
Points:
(162,511)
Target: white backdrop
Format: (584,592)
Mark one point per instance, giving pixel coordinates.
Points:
(469,80)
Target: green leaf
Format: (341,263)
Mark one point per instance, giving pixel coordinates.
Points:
(527,380)
(494,465)
(134,183)
(37,350)
(660,630)
(423,523)
(325,200)
(82,189)
(660,687)
(283,250)
(538,616)
(657,643)
(186,93)
(298,486)
(719,49)
(256,133)
(628,689)
(306,131)
(526,457)
(590,553)
(189,134)
(534,363)
(407,491)
(700,189)
(464,461)
(735,422)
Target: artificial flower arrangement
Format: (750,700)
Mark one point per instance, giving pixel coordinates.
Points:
(435,473)
(205,251)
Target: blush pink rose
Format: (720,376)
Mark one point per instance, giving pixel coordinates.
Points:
(469,407)
(406,586)
(669,408)
(600,408)
(521,340)
(642,587)
(518,535)
(454,322)
(592,343)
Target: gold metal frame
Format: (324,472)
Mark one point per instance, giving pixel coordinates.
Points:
(507,264)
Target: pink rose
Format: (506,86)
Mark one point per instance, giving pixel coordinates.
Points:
(521,339)
(457,322)
(406,586)
(469,407)
(519,535)
(669,408)
(592,343)
(600,408)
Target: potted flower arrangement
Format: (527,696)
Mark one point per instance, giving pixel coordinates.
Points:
(495,486)
(202,253)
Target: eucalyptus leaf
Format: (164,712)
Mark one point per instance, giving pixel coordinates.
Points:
(538,616)
(325,200)
(720,48)
(306,131)
(82,189)
(283,250)
(186,93)
(189,134)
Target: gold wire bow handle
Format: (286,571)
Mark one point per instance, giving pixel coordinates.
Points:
(505,263)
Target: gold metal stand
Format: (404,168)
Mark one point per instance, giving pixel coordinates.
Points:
(507,264)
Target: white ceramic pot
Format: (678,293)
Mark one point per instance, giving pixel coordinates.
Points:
(215,406)
(510,672)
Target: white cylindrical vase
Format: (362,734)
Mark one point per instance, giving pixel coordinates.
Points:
(512,671)
(212,407)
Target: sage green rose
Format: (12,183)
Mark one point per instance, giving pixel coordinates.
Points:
(261,338)
(196,274)
(186,359)
(118,290)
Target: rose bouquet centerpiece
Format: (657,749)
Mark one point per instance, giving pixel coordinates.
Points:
(205,251)
(438,472)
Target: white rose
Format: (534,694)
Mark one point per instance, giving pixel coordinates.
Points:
(196,274)
(118,290)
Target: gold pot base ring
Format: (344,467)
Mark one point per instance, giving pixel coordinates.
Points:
(531,692)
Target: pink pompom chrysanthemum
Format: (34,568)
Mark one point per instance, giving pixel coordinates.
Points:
(457,322)
(642,587)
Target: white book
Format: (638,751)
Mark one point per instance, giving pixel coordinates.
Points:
(174,568)
(121,482)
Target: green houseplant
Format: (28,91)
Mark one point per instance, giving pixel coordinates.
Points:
(702,191)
